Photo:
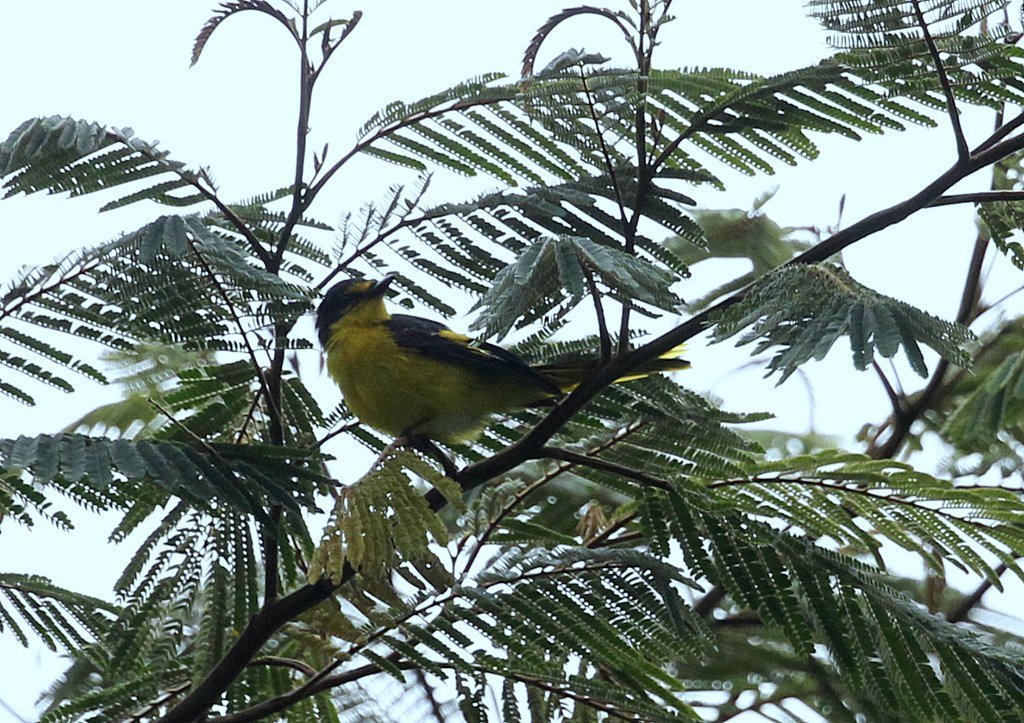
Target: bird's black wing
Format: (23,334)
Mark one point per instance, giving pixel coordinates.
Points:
(436,341)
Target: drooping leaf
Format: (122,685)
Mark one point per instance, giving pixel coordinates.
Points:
(805,309)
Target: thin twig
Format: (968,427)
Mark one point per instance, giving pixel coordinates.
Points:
(902,421)
(188,432)
(604,537)
(307,80)
(146,713)
(605,152)
(331,435)
(281,702)
(853,490)
(962,150)
(275,661)
(964,608)
(894,398)
(379,238)
(428,690)
(978,197)
(257,367)
(518,498)
(605,341)
(605,466)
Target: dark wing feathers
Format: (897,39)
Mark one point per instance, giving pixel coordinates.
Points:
(436,341)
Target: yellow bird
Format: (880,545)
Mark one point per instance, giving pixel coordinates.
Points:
(408,376)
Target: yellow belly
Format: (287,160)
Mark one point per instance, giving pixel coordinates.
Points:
(398,391)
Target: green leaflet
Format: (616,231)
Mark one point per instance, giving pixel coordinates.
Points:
(995,406)
(381,520)
(56,616)
(552,265)
(236,474)
(890,23)
(164,283)
(1003,219)
(806,308)
(59,154)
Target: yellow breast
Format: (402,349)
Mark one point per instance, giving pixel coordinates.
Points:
(399,391)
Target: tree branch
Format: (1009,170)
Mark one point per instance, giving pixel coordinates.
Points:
(307,80)
(604,339)
(961,611)
(604,465)
(962,151)
(979,197)
(281,702)
(270,618)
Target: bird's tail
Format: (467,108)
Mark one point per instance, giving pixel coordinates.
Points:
(570,375)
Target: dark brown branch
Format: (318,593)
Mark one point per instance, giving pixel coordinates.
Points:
(215,282)
(530,55)
(709,602)
(604,339)
(907,415)
(331,435)
(962,151)
(270,618)
(623,221)
(603,465)
(963,609)
(282,702)
(979,197)
(894,398)
(307,80)
(1001,132)
(428,692)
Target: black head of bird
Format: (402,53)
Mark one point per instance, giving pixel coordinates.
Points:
(345,296)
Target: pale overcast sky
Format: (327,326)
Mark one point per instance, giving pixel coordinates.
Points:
(125,63)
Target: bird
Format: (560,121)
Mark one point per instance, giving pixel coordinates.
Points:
(414,378)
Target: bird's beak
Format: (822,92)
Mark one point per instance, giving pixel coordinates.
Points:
(381,287)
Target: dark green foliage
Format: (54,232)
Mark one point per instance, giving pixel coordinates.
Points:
(889,24)
(1003,219)
(61,619)
(805,309)
(562,268)
(65,155)
(90,468)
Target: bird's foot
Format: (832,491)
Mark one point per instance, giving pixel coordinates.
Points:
(427,447)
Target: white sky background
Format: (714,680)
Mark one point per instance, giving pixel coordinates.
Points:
(125,63)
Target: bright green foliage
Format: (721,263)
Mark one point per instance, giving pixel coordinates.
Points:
(652,557)
(736,233)
(380,521)
(805,309)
